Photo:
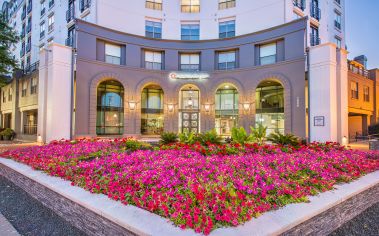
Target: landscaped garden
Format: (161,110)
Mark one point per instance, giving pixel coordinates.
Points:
(198,181)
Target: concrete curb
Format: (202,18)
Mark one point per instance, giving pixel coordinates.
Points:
(96,214)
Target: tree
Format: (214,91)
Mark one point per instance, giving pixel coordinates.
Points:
(8,36)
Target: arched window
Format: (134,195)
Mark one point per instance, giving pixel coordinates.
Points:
(270,106)
(226,102)
(110,108)
(152,116)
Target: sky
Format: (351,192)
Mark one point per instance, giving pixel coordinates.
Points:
(362,30)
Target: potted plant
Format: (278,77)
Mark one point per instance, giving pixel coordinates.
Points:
(8,134)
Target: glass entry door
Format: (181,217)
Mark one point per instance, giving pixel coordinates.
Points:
(189,117)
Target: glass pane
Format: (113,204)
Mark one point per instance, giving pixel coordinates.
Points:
(268,50)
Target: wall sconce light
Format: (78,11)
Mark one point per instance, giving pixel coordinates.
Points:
(246,106)
(207,107)
(170,107)
(132,105)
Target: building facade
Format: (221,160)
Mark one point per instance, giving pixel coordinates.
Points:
(191,66)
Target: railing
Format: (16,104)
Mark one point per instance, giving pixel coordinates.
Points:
(70,41)
(23,15)
(50,27)
(30,129)
(315,11)
(23,33)
(361,137)
(315,40)
(84,4)
(299,3)
(30,7)
(28,47)
(337,24)
(42,34)
(51,3)
(29,69)
(70,14)
(358,70)
(22,52)
(43,11)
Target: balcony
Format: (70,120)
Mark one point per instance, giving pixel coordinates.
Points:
(315,40)
(70,14)
(70,41)
(23,15)
(315,12)
(50,27)
(43,11)
(84,4)
(51,3)
(30,7)
(31,68)
(30,129)
(337,24)
(357,69)
(299,3)
(42,34)
(28,47)
(29,28)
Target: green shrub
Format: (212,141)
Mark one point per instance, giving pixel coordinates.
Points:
(210,136)
(7,132)
(168,138)
(239,135)
(258,134)
(134,145)
(188,138)
(284,139)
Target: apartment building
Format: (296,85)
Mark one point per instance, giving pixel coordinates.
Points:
(189,41)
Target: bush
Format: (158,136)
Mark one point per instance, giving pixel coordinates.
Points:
(209,137)
(187,138)
(258,134)
(168,137)
(8,132)
(239,135)
(134,145)
(284,139)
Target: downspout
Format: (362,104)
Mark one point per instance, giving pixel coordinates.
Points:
(309,79)
(73,51)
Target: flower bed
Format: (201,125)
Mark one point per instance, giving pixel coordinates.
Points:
(198,187)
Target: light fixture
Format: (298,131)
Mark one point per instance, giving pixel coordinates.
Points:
(132,105)
(246,106)
(207,107)
(190,102)
(170,107)
(226,86)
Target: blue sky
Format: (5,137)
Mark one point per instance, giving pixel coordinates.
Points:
(362,30)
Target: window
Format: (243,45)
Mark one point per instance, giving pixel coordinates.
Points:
(152,114)
(190,61)
(43,7)
(154,4)
(50,21)
(267,54)
(227,60)
(337,1)
(366,94)
(227,29)
(4,97)
(354,90)
(10,94)
(315,40)
(51,3)
(153,60)
(153,29)
(337,20)
(42,29)
(190,6)
(24,88)
(33,87)
(224,4)
(112,54)
(190,32)
(338,42)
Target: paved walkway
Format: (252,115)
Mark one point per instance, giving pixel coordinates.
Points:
(6,229)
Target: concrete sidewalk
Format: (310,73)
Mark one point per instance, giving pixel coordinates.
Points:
(6,229)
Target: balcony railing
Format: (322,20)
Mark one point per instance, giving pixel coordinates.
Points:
(70,14)
(337,24)
(30,129)
(22,52)
(51,3)
(299,3)
(42,34)
(357,70)
(315,11)
(23,15)
(30,7)
(50,27)
(315,40)
(22,33)
(84,4)
(31,68)
(28,47)
(70,41)
(43,11)
(29,28)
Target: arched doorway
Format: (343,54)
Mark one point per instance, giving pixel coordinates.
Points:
(152,115)
(110,108)
(270,106)
(189,109)
(226,102)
